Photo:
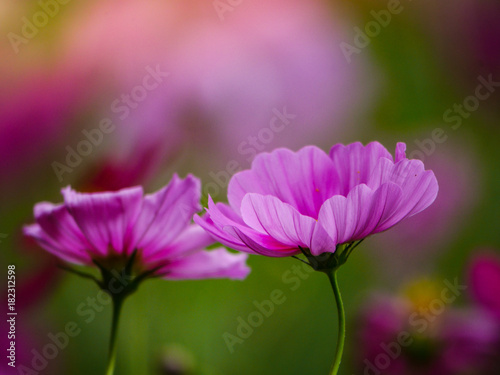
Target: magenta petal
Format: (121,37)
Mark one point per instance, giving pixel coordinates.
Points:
(363,212)
(262,248)
(419,186)
(484,276)
(230,230)
(217,263)
(303,179)
(219,234)
(166,213)
(59,225)
(70,255)
(284,223)
(106,219)
(355,162)
(193,238)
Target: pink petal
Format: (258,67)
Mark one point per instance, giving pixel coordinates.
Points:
(281,221)
(419,186)
(400,151)
(193,238)
(363,212)
(64,233)
(303,179)
(166,214)
(70,255)
(217,263)
(355,162)
(106,219)
(230,230)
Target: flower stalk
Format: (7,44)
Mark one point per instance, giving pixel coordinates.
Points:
(117,307)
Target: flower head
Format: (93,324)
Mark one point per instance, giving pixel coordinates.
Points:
(289,201)
(151,234)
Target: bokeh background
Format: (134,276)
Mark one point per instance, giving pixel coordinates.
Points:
(199,87)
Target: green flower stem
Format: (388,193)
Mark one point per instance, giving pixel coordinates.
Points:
(332,275)
(117,306)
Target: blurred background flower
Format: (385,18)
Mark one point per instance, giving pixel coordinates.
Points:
(420,333)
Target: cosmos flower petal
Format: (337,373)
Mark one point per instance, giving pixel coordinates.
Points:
(303,179)
(59,225)
(70,255)
(361,213)
(419,187)
(106,219)
(400,152)
(354,162)
(191,239)
(216,263)
(234,233)
(166,213)
(282,222)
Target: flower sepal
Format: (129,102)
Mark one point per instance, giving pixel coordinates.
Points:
(127,277)
(328,262)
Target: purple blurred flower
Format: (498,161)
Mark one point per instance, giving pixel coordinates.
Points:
(33,116)
(108,228)
(484,277)
(308,199)
(398,336)
(227,79)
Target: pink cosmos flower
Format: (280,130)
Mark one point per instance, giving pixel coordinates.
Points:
(290,201)
(155,231)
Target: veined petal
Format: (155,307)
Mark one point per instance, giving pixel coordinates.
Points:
(355,162)
(59,225)
(193,238)
(166,213)
(281,221)
(231,231)
(106,219)
(363,212)
(419,187)
(303,179)
(71,255)
(216,263)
